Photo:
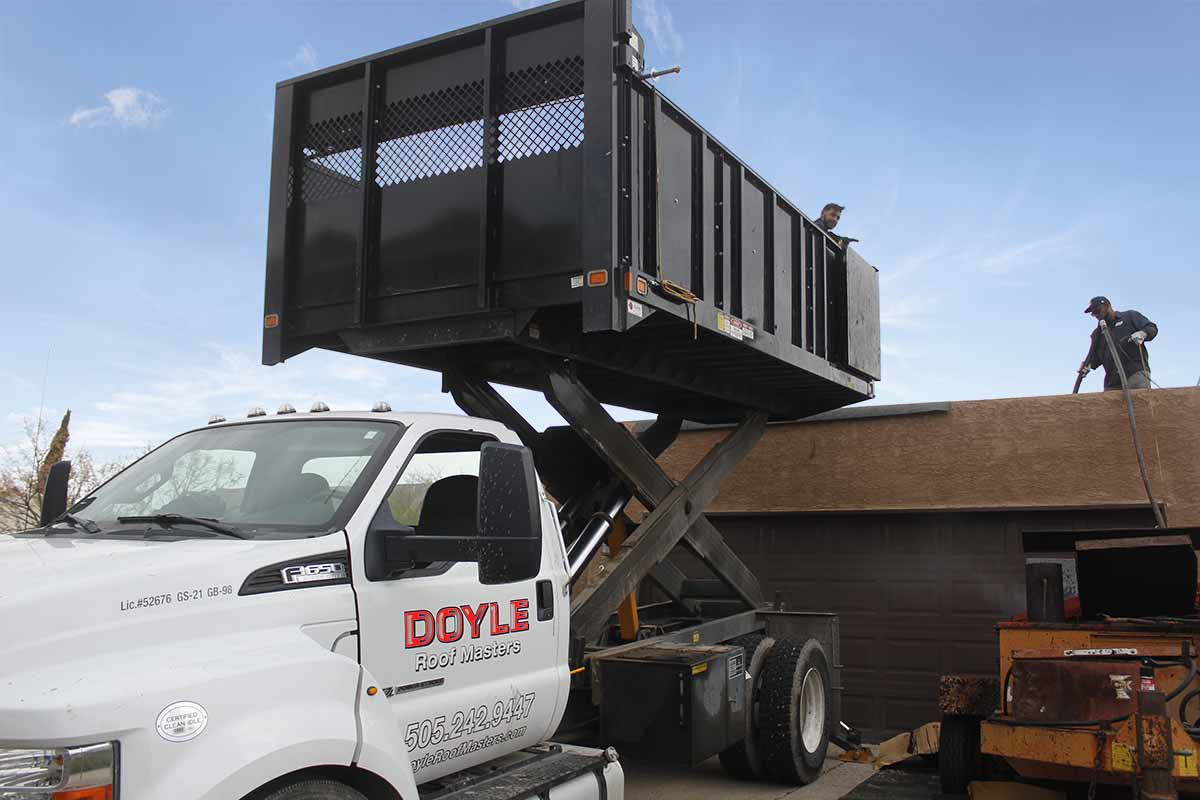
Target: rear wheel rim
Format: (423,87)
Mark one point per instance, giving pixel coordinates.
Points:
(812,710)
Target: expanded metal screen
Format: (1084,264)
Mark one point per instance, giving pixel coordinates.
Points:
(542,110)
(432,134)
(332,154)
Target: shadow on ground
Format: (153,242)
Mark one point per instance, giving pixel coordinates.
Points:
(644,781)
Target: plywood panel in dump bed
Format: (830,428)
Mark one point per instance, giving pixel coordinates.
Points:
(514,193)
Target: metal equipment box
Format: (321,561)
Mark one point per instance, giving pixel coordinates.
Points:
(517,194)
(673,703)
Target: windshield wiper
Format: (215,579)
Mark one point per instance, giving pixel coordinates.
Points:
(167,520)
(77,522)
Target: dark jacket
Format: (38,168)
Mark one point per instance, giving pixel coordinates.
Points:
(842,241)
(1133,358)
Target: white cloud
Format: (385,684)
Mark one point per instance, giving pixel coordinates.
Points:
(10,379)
(660,24)
(305,59)
(127,106)
(154,401)
(908,311)
(521,5)
(909,266)
(1033,252)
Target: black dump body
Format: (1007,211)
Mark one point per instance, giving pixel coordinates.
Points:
(511,195)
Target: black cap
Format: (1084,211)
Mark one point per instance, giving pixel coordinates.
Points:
(1098,300)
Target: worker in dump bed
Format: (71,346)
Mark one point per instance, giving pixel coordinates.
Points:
(1130,331)
(831,214)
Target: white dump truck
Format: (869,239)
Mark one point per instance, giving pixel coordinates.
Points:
(383,602)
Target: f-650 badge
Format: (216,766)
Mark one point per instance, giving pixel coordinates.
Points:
(308,573)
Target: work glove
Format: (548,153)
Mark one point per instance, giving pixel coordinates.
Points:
(1138,337)
(1084,369)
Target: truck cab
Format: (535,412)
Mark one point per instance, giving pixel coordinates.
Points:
(367,600)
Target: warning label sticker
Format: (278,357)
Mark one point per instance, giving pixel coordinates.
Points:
(734,327)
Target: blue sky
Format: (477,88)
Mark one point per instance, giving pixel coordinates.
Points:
(1001,162)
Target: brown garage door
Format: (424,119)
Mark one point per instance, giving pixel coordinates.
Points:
(918,594)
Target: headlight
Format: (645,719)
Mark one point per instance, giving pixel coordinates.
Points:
(71,773)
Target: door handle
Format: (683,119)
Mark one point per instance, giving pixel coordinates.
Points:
(545,600)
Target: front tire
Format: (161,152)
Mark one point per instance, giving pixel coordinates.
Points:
(315,789)
(794,703)
(959,759)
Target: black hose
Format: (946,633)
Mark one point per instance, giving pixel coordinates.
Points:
(1183,704)
(1137,443)
(1186,682)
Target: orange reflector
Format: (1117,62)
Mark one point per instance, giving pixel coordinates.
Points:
(628,282)
(641,285)
(597,277)
(271,321)
(99,793)
(372,691)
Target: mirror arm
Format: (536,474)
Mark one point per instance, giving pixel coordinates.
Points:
(414,547)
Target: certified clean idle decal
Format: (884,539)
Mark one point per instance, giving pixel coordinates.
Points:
(180,722)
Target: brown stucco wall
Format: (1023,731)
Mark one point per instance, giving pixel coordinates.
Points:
(1064,451)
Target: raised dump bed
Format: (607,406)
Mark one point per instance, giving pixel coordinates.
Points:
(513,194)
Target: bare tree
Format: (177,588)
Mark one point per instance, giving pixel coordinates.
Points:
(25,467)
(199,472)
(408,495)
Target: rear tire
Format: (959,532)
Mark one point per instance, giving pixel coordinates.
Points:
(793,710)
(316,789)
(743,760)
(959,759)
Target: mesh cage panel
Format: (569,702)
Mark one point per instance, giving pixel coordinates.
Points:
(332,153)
(542,110)
(432,134)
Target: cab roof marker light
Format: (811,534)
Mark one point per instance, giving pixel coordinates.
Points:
(256,411)
(318,408)
(286,408)
(381,408)
(215,418)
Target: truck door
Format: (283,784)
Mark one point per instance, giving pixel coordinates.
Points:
(470,671)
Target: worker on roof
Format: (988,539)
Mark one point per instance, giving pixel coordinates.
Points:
(831,214)
(1130,331)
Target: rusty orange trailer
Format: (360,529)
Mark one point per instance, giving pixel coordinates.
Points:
(1068,701)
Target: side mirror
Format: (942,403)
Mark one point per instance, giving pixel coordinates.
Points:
(510,529)
(385,555)
(54,493)
(508,542)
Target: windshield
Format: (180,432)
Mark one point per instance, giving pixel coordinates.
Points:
(261,477)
